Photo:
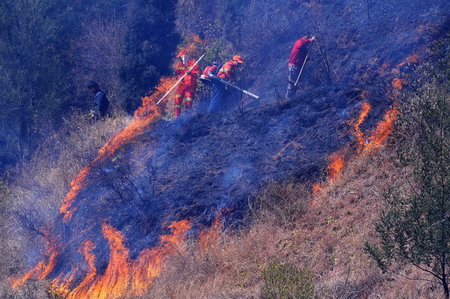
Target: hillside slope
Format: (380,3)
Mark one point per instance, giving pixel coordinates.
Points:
(198,167)
(326,238)
(133,206)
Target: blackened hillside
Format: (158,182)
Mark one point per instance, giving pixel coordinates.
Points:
(195,168)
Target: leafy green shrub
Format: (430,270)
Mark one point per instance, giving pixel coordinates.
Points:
(414,226)
(286,281)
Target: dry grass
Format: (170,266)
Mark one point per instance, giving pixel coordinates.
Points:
(325,233)
(38,191)
(228,267)
(328,238)
(45,180)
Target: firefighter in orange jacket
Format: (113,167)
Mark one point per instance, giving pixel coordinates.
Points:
(186,89)
(226,72)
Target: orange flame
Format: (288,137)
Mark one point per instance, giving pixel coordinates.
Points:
(123,277)
(42,269)
(147,114)
(398,83)
(337,160)
(334,169)
(143,118)
(116,278)
(365,109)
(383,129)
(76,185)
(60,286)
(316,188)
(91,273)
(149,263)
(210,236)
(413,58)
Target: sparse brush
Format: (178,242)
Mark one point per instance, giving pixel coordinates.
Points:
(284,203)
(285,281)
(32,199)
(414,227)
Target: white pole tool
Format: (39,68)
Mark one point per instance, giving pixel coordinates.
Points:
(179,80)
(301,70)
(234,86)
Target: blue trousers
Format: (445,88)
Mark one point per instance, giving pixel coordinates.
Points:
(217,97)
(294,70)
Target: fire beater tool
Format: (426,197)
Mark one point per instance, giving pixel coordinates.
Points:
(233,86)
(179,80)
(301,70)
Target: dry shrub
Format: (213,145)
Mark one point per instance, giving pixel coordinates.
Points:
(31,202)
(282,203)
(230,264)
(231,267)
(341,219)
(44,181)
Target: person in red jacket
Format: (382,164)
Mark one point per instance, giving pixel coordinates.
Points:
(218,89)
(187,87)
(213,69)
(298,56)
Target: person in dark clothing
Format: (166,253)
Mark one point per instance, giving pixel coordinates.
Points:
(217,97)
(298,56)
(205,78)
(226,72)
(101,102)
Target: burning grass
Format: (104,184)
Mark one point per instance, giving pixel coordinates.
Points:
(147,114)
(42,269)
(327,238)
(32,201)
(365,142)
(123,276)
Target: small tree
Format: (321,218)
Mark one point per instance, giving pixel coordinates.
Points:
(415,226)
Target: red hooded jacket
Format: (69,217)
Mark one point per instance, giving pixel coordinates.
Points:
(299,51)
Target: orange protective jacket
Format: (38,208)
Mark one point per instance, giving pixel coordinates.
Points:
(191,79)
(227,70)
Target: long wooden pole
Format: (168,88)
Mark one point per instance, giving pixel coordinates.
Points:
(181,79)
(301,70)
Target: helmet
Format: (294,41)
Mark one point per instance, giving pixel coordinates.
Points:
(238,58)
(92,84)
(181,53)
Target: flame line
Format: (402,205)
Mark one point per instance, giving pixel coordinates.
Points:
(144,116)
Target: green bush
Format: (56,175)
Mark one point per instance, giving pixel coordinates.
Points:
(414,226)
(286,281)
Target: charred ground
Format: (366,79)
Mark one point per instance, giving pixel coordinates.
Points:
(196,168)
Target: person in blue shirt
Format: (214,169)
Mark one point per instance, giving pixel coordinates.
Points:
(101,102)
